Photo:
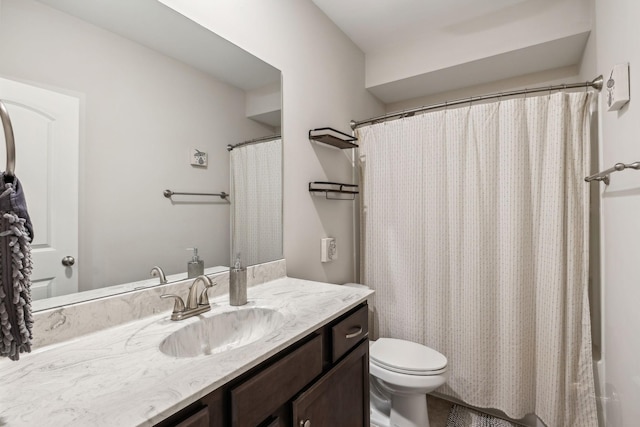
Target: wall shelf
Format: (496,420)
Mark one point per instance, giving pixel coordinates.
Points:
(334,190)
(333,137)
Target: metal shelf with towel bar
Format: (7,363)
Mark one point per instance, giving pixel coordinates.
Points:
(604,175)
(168,194)
(8,137)
(333,137)
(328,187)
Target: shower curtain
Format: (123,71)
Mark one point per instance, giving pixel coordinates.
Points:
(475,239)
(256,202)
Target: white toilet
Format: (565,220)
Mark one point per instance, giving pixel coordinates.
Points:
(401,373)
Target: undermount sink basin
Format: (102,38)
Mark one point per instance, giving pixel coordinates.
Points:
(222,332)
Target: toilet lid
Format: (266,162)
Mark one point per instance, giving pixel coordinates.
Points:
(406,357)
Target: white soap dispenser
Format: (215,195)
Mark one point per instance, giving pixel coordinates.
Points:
(195,267)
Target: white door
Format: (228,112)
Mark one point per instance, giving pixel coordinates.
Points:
(46,132)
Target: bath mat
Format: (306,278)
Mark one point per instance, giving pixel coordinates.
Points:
(460,416)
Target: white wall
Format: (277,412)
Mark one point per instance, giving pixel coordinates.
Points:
(132,146)
(617,36)
(323,85)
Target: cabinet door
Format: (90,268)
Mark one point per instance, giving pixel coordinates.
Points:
(341,397)
(199,419)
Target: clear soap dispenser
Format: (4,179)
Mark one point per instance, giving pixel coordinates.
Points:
(195,267)
(238,283)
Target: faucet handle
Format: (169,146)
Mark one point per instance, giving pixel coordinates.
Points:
(203,299)
(178,306)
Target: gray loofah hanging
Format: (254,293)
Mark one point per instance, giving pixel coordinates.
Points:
(16,233)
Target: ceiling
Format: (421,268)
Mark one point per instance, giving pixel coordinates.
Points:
(417,48)
(185,42)
(378,24)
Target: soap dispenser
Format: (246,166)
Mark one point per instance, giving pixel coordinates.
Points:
(195,267)
(238,283)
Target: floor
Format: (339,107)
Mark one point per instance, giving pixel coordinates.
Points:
(438,411)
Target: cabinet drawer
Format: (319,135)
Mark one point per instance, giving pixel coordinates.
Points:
(349,331)
(259,397)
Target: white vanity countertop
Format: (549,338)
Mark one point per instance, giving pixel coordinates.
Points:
(119,377)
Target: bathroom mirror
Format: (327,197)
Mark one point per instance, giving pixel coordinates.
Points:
(124,100)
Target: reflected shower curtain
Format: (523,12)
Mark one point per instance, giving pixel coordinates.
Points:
(256,202)
(475,239)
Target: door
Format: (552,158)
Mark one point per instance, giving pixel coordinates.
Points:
(46,131)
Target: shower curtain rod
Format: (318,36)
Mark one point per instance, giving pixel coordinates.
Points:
(595,83)
(254,141)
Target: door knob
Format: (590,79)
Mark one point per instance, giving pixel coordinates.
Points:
(306,423)
(68,261)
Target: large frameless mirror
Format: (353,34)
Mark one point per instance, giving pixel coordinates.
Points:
(113,102)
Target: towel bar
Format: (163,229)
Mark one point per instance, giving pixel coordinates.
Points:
(604,175)
(8,137)
(169,193)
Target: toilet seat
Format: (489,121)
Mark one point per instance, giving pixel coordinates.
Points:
(406,357)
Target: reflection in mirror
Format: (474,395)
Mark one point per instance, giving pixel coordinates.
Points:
(114,102)
(256,214)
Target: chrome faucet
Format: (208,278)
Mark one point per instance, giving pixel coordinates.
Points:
(196,303)
(157,272)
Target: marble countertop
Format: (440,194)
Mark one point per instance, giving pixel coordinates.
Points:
(119,377)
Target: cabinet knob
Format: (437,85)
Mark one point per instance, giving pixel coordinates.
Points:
(305,423)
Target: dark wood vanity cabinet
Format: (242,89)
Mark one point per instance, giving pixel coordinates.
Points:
(320,381)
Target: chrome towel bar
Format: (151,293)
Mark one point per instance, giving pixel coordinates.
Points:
(169,193)
(8,137)
(604,175)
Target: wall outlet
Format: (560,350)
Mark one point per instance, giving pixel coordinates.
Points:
(328,249)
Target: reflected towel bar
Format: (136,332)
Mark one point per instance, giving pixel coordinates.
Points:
(604,175)
(169,193)
(8,137)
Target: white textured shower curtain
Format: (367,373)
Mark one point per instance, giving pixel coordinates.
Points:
(256,202)
(475,239)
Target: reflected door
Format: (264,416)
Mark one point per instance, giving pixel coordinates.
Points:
(46,132)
